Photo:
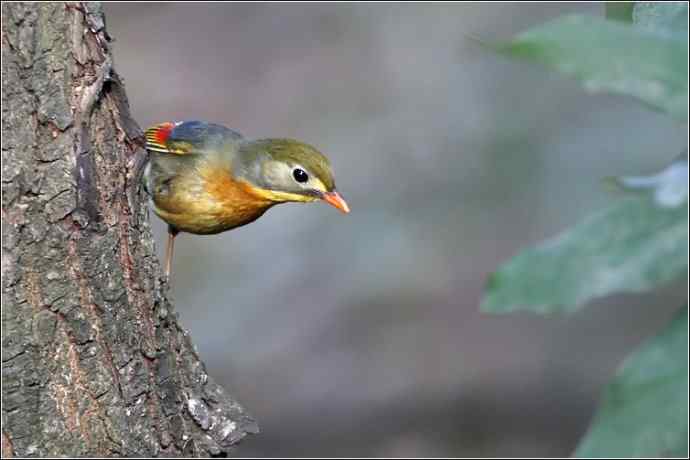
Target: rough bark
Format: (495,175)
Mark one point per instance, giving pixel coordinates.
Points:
(94,361)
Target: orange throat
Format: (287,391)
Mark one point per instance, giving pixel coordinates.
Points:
(214,204)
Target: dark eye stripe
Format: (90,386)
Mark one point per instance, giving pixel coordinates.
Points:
(300,176)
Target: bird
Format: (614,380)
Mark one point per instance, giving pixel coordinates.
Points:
(204,178)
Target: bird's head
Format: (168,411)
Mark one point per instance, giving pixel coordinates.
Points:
(288,170)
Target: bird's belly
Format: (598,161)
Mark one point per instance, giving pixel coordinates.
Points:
(204,217)
(208,203)
(208,223)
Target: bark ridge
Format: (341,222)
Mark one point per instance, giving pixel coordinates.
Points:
(94,360)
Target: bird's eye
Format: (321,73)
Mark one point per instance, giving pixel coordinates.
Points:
(299,175)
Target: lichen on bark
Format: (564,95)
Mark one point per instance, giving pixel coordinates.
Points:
(94,361)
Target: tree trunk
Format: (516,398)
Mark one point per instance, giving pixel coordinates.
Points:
(94,362)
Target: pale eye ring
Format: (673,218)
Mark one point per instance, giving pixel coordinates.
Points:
(300,175)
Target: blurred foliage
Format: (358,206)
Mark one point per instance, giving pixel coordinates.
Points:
(612,56)
(666,18)
(619,11)
(636,244)
(652,384)
(633,246)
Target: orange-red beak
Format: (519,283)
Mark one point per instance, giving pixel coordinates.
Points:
(334,199)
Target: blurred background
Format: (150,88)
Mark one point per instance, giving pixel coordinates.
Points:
(360,335)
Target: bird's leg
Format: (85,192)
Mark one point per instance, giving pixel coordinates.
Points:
(172,233)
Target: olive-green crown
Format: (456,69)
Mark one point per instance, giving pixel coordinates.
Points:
(293,151)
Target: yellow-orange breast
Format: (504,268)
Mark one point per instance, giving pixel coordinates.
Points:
(209,200)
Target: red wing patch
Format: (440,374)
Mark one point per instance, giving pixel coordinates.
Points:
(157,136)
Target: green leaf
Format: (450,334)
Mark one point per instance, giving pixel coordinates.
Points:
(662,17)
(645,408)
(632,246)
(612,56)
(619,11)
